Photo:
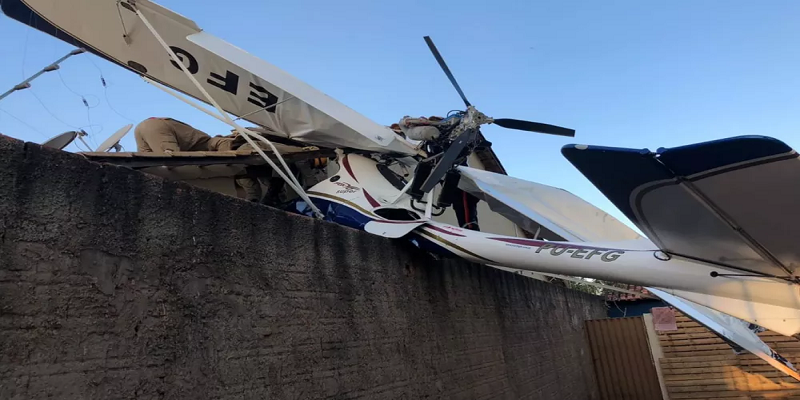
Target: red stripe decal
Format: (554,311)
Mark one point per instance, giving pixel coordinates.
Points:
(436,228)
(466,211)
(369,198)
(346,164)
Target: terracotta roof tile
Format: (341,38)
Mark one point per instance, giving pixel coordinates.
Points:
(620,296)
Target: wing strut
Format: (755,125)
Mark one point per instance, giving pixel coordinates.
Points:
(246,134)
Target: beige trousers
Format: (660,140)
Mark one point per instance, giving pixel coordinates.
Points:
(166,135)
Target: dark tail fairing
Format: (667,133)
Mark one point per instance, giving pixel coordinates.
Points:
(731,201)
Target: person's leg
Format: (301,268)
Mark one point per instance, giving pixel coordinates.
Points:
(251,186)
(220,143)
(155,135)
(275,186)
(252,189)
(141,144)
(189,138)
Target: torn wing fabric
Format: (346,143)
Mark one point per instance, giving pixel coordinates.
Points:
(533,205)
(732,202)
(239,82)
(729,329)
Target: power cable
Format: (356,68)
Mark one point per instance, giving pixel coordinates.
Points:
(24,123)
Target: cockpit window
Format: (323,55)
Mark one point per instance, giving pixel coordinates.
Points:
(394,178)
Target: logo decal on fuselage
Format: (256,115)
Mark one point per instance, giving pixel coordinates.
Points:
(346,187)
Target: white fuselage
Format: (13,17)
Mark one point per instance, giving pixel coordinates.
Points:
(357,195)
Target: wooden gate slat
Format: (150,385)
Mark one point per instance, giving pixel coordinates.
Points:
(623,364)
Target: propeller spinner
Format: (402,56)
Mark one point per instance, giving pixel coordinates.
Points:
(467,132)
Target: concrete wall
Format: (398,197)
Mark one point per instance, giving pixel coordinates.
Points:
(116,284)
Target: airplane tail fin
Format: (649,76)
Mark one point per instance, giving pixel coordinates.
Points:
(716,201)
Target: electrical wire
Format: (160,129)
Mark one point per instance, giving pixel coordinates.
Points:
(95,65)
(91,125)
(24,123)
(80,140)
(91,128)
(105,87)
(105,94)
(31,91)
(76,93)
(25,44)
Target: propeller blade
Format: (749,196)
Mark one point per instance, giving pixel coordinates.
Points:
(448,158)
(445,69)
(534,127)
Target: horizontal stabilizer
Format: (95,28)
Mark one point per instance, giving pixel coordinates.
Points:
(730,329)
(392,229)
(732,202)
(559,213)
(784,320)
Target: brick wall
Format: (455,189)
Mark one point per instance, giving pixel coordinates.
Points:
(115,284)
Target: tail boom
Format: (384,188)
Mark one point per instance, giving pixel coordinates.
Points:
(608,261)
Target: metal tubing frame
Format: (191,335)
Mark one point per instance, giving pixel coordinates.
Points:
(429,206)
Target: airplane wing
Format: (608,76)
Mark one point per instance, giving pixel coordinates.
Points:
(242,84)
(730,329)
(732,202)
(560,214)
(784,320)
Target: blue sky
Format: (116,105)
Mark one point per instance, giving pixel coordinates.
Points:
(622,73)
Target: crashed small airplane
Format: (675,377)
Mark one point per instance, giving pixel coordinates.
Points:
(721,251)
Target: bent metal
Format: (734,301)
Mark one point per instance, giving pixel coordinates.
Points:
(586,254)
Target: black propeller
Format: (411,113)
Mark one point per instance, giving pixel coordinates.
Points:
(448,160)
(534,127)
(446,70)
(503,122)
(454,154)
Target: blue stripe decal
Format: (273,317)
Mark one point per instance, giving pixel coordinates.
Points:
(332,212)
(431,246)
(348,216)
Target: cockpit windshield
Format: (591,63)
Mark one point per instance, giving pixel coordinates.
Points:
(394,178)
